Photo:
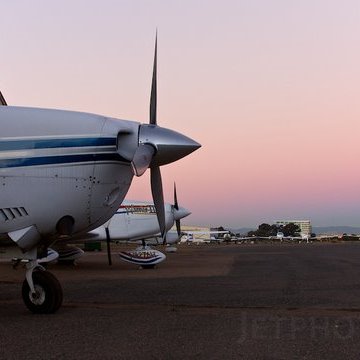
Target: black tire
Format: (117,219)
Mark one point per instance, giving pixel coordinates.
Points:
(48,297)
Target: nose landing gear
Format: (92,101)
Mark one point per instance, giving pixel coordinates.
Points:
(41,290)
(47,295)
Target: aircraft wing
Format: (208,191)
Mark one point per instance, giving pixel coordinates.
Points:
(99,234)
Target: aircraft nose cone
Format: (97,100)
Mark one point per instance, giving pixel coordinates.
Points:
(170,145)
(181,213)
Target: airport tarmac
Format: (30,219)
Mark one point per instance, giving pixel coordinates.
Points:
(289,301)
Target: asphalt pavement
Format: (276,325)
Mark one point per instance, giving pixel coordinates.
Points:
(274,301)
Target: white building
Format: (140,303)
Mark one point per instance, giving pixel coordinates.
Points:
(304,225)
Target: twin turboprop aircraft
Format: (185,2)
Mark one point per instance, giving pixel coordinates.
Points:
(134,221)
(65,173)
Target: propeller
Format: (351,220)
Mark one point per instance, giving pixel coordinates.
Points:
(156,146)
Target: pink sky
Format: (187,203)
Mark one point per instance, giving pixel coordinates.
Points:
(269,88)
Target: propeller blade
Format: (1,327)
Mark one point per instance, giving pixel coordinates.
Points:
(142,159)
(155,175)
(178,227)
(153,96)
(158,198)
(176,205)
(2,100)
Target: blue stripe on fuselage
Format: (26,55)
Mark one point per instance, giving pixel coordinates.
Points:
(62,159)
(31,144)
(6,145)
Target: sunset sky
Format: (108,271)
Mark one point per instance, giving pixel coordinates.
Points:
(271,89)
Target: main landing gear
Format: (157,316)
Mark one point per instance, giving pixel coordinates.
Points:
(41,290)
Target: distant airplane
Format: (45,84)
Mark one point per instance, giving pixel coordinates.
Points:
(301,237)
(137,220)
(205,237)
(279,236)
(65,173)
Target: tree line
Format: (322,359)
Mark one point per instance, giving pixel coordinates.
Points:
(266,230)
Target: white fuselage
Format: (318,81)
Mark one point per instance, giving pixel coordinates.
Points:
(71,169)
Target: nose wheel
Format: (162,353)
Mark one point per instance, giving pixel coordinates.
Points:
(47,295)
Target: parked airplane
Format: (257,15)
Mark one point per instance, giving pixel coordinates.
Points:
(301,237)
(137,221)
(206,237)
(64,173)
(279,236)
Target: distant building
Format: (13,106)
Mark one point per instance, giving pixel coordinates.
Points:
(304,225)
(193,228)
